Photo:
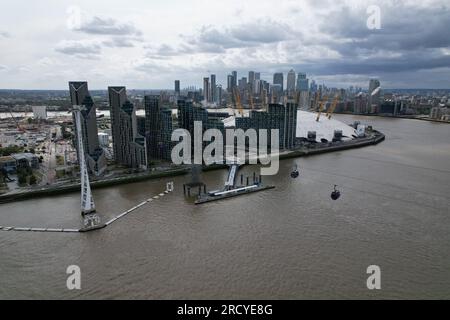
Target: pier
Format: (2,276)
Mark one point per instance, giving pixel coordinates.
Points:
(92,227)
(230,188)
(232,193)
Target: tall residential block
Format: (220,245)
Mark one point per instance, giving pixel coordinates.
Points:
(213,91)
(290,81)
(129,146)
(278,79)
(177,88)
(206,90)
(158,129)
(279,117)
(94,155)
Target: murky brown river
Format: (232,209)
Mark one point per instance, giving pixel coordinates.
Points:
(291,242)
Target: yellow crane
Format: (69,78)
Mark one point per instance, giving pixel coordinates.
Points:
(321,107)
(250,96)
(238,101)
(332,107)
(297,97)
(264,99)
(316,101)
(18,126)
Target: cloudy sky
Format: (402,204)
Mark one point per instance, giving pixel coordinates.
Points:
(148,43)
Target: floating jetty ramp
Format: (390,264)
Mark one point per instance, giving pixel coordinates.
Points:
(231,193)
(231,189)
(93,227)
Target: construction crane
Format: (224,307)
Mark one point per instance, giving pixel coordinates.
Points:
(321,108)
(263,98)
(316,101)
(238,101)
(250,96)
(332,107)
(15,121)
(297,97)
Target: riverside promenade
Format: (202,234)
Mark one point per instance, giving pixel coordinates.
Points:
(373,138)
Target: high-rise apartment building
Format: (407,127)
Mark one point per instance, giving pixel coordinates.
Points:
(251,81)
(213,91)
(284,118)
(235,78)
(219,95)
(278,116)
(206,90)
(229,83)
(94,155)
(232,81)
(251,77)
(291,81)
(242,84)
(158,129)
(177,88)
(303,90)
(188,114)
(130,148)
(302,82)
(313,87)
(278,79)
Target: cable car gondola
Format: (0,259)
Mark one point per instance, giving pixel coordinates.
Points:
(295,173)
(336,194)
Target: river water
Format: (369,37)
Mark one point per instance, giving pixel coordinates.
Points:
(292,242)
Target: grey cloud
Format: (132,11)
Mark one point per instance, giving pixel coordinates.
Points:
(165,51)
(108,26)
(4,34)
(119,42)
(81,49)
(216,41)
(411,39)
(401,29)
(405,63)
(244,35)
(148,65)
(263,31)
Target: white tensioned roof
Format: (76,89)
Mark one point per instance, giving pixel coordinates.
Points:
(306,121)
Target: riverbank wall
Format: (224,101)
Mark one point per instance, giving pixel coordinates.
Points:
(374,139)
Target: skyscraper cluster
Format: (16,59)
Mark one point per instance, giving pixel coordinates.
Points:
(254,90)
(212,93)
(137,141)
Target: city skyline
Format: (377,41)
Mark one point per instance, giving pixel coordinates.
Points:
(149,45)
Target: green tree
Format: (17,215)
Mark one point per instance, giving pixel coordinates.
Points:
(22,179)
(33,180)
(7,151)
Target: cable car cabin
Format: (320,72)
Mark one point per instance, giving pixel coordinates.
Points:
(295,173)
(336,194)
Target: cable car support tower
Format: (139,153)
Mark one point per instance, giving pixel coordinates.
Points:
(91,219)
